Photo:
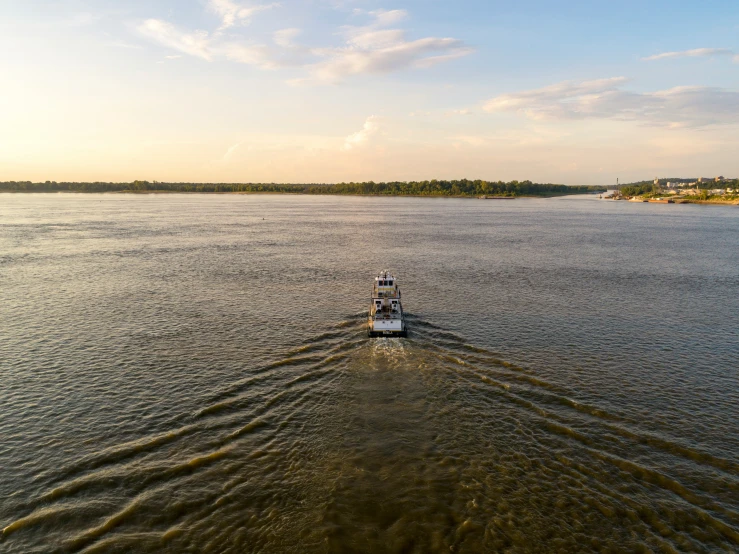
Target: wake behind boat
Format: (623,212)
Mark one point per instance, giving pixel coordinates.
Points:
(386,311)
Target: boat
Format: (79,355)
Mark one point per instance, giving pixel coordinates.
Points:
(386,311)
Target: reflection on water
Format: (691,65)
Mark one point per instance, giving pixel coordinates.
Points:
(180,375)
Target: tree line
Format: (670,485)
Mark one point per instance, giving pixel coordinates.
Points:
(639,189)
(462,187)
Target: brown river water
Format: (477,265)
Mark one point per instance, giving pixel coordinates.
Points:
(191,373)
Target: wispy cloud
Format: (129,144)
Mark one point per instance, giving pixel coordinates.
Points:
(196,43)
(695,53)
(203,45)
(235,13)
(374,49)
(285,37)
(360,138)
(250,54)
(345,62)
(230,151)
(369,49)
(552,100)
(82,19)
(464,111)
(606,99)
(126,45)
(385,18)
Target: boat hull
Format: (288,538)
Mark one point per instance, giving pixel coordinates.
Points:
(394,327)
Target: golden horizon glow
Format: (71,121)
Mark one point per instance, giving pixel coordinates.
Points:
(227,91)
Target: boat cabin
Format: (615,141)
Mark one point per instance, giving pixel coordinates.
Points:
(385,286)
(385,297)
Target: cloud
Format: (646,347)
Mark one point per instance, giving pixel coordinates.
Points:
(606,99)
(207,47)
(360,138)
(472,140)
(369,49)
(464,111)
(284,37)
(257,55)
(83,19)
(540,98)
(695,53)
(373,49)
(195,43)
(125,45)
(233,13)
(230,151)
(385,18)
(345,62)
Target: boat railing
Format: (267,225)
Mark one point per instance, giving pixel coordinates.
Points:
(387,316)
(385,294)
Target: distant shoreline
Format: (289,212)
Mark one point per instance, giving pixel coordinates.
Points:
(462,188)
(374,195)
(277,193)
(711,201)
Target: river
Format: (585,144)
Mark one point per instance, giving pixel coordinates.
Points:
(191,373)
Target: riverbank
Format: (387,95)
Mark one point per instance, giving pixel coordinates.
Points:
(718,201)
(445,188)
(280,193)
(467,196)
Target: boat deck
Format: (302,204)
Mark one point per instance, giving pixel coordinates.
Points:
(386,311)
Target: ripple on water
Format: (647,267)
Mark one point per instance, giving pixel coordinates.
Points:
(180,376)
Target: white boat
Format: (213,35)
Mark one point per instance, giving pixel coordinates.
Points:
(386,311)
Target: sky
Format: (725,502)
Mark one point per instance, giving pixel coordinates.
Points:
(576,92)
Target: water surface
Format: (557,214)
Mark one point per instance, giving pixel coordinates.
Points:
(190,373)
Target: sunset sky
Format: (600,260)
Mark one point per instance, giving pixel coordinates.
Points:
(577,92)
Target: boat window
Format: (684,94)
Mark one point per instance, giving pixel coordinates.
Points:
(389,283)
(382,283)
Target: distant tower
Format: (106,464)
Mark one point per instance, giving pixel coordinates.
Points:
(656,181)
